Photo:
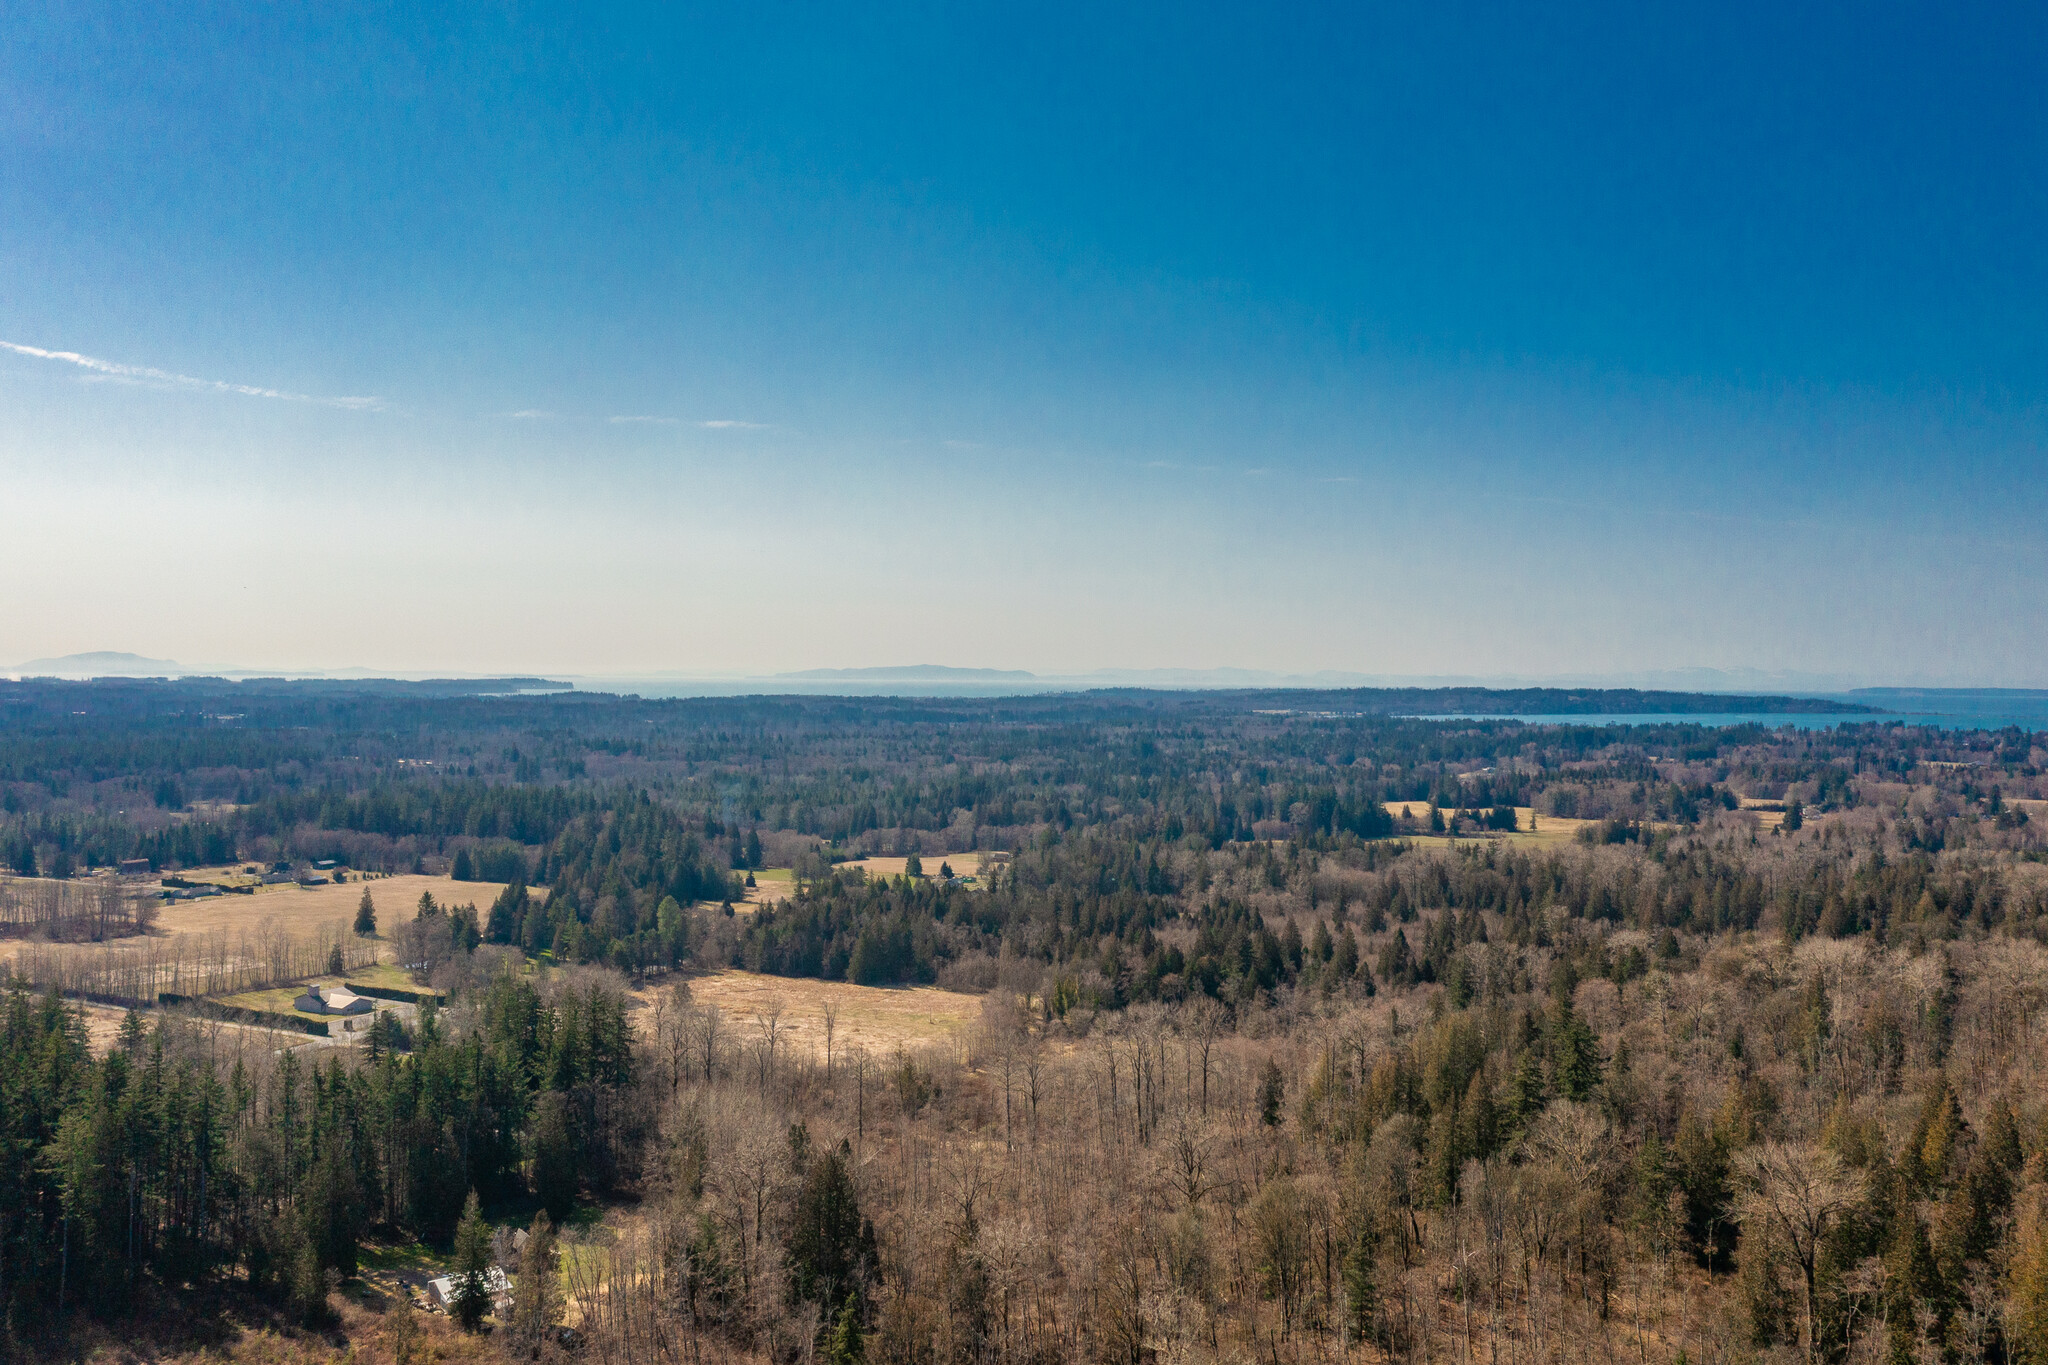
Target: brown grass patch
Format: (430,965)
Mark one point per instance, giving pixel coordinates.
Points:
(964,865)
(878,1018)
(301,909)
(1550,830)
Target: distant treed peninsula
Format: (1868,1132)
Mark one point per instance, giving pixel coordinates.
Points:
(1549,701)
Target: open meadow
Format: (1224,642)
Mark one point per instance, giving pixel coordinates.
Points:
(307,908)
(963,865)
(1549,830)
(772,884)
(877,1018)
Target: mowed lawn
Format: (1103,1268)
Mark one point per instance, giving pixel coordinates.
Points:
(878,1018)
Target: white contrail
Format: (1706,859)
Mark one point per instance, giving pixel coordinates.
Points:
(145,374)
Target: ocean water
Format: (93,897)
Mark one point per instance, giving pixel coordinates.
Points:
(1988,709)
(1948,708)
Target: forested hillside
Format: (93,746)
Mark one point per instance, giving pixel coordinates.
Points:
(1303,1036)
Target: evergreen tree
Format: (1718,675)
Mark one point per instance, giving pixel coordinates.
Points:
(830,1244)
(132,1035)
(1575,1061)
(464,870)
(1346,959)
(472,1265)
(844,1345)
(537,1294)
(1913,1281)
(554,1156)
(308,1285)
(366,916)
(507,913)
(1361,1285)
(2026,1290)
(1272,1091)
(1397,960)
(331,1209)
(1525,1088)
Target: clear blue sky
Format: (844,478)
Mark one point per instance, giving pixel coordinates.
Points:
(1443,338)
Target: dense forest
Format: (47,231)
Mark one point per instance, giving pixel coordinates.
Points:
(1306,1030)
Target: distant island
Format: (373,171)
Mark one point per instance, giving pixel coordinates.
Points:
(99,663)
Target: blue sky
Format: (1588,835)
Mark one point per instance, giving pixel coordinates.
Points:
(1440,339)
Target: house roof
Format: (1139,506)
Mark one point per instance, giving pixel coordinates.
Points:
(496,1283)
(335,999)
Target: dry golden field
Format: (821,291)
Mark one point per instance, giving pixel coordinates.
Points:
(305,908)
(778,884)
(231,927)
(964,864)
(878,1018)
(770,884)
(1550,829)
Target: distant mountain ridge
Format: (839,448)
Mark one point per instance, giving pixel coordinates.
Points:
(100,663)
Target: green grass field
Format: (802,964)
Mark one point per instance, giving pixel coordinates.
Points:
(277,1000)
(387,974)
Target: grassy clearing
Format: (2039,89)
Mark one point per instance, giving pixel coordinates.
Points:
(277,1000)
(385,974)
(771,884)
(878,1018)
(305,909)
(964,865)
(1549,831)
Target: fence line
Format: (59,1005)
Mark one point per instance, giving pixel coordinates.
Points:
(214,963)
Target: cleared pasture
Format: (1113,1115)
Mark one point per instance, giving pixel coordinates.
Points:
(235,943)
(963,864)
(1550,829)
(307,908)
(877,1018)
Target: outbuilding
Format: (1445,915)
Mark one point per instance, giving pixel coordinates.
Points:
(331,1000)
(441,1291)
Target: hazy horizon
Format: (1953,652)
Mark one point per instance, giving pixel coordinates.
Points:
(113,663)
